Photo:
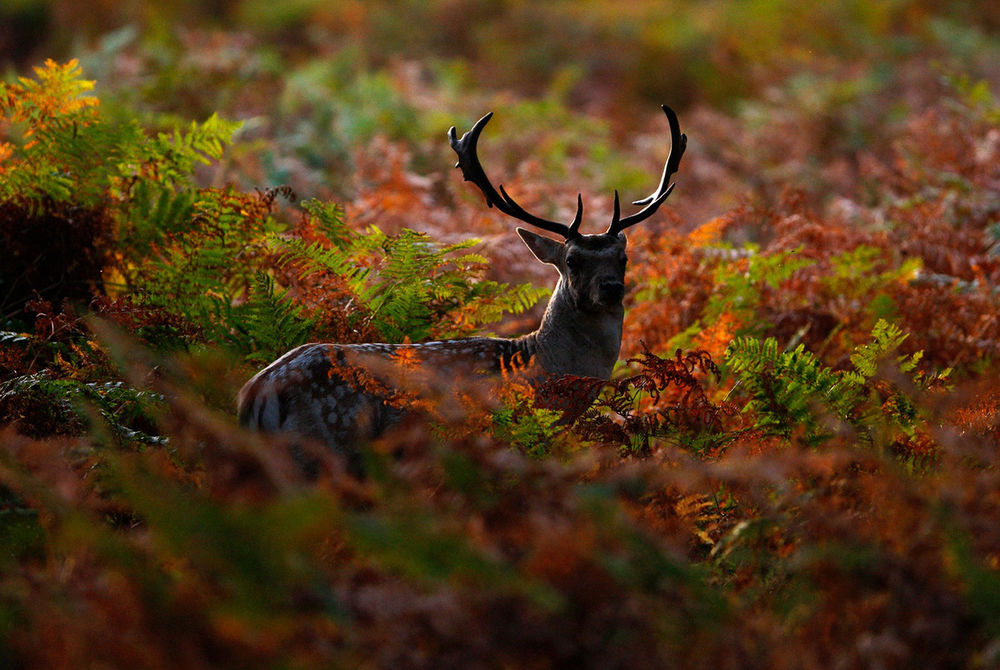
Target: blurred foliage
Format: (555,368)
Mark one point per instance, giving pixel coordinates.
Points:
(795,467)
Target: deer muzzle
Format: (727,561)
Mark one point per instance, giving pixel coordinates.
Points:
(611,291)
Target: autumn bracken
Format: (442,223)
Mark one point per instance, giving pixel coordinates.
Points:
(794,465)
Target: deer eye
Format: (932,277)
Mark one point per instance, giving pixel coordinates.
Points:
(574,262)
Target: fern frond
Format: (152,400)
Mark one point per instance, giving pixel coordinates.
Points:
(268,323)
(174,155)
(788,387)
(886,338)
(792,389)
(328,217)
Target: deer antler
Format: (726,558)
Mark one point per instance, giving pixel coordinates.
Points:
(472,170)
(678,142)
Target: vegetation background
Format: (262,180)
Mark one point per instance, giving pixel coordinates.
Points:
(797,466)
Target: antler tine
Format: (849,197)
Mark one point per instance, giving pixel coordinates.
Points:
(678,143)
(472,170)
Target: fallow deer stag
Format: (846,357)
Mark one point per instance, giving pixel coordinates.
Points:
(313,391)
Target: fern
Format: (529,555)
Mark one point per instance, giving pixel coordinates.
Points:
(54,142)
(47,405)
(793,390)
(205,255)
(858,274)
(328,217)
(886,338)
(121,196)
(740,286)
(787,387)
(62,149)
(155,213)
(532,430)
(267,324)
(172,156)
(406,286)
(666,399)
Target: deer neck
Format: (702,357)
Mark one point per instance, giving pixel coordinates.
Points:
(573,341)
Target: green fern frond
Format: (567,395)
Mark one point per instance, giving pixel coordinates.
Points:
(886,338)
(267,324)
(791,389)
(62,405)
(314,257)
(155,212)
(174,155)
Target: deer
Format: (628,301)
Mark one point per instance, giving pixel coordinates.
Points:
(342,394)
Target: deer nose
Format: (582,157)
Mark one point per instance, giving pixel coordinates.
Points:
(611,290)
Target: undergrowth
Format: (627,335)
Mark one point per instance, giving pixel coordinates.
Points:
(795,466)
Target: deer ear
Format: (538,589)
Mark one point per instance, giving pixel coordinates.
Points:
(545,249)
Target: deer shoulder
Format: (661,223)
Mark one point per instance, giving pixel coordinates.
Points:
(339,394)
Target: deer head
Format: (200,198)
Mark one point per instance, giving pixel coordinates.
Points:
(591,267)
